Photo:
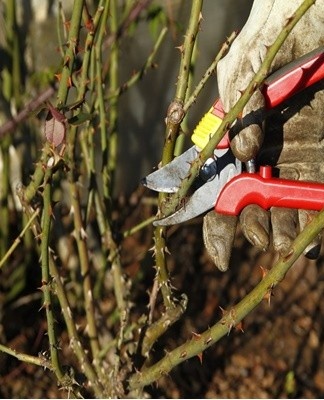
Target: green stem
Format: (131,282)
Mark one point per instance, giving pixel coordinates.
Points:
(138,227)
(200,342)
(13,83)
(81,241)
(46,278)
(210,70)
(75,341)
(18,239)
(111,162)
(64,86)
(80,236)
(40,361)
(4,195)
(137,76)
(174,118)
(176,114)
(71,52)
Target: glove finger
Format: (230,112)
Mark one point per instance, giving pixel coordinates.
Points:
(247,134)
(284,223)
(313,249)
(254,221)
(218,233)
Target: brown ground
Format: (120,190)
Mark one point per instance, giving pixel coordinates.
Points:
(279,355)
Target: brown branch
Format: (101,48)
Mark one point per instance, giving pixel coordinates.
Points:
(30,107)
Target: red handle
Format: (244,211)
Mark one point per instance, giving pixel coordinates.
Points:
(284,83)
(262,189)
(294,77)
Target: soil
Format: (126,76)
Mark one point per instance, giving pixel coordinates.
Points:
(279,353)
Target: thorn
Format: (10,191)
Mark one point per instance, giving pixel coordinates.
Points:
(223,311)
(58,77)
(239,327)
(289,19)
(208,340)
(268,295)
(67,25)
(264,271)
(166,250)
(66,61)
(69,82)
(290,253)
(83,234)
(183,354)
(200,356)
(89,25)
(196,336)
(180,48)
(229,318)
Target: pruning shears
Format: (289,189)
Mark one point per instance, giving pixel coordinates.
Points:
(221,183)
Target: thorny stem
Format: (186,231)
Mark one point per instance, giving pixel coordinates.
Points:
(210,70)
(133,13)
(109,167)
(87,53)
(80,233)
(111,162)
(139,74)
(169,206)
(64,86)
(175,112)
(81,241)
(46,278)
(75,341)
(71,52)
(200,342)
(40,361)
(4,195)
(174,117)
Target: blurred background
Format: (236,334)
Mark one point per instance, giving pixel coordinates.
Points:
(281,352)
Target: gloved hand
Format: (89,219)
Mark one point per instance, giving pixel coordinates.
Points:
(290,137)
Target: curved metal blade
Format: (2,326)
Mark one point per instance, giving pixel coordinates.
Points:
(168,178)
(203,198)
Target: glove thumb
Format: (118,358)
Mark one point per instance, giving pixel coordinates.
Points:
(218,233)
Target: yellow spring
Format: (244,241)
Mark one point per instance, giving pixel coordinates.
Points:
(207,126)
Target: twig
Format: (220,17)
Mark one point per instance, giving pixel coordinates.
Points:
(158,328)
(41,361)
(138,227)
(19,238)
(137,76)
(133,14)
(211,69)
(30,107)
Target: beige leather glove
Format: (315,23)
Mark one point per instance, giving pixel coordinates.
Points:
(289,137)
